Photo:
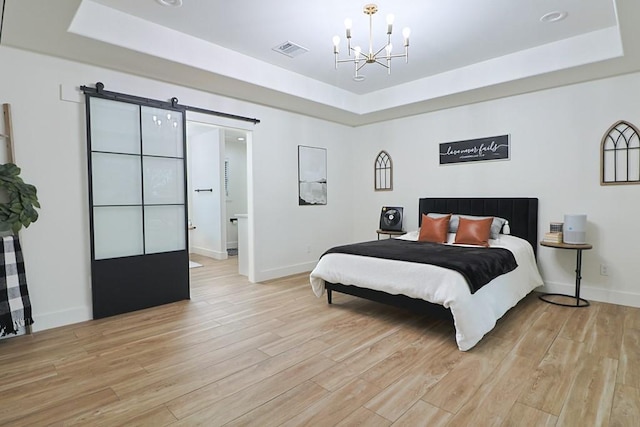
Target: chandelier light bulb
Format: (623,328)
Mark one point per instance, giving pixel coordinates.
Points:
(406,32)
(168,116)
(388,49)
(336,41)
(154,118)
(390,19)
(347,25)
(357,49)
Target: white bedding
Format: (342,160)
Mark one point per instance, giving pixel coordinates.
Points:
(474,314)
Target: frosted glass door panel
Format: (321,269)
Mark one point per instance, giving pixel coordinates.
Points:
(164,228)
(163,181)
(115,126)
(161,132)
(117,179)
(117,231)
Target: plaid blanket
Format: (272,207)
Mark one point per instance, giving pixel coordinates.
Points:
(15,307)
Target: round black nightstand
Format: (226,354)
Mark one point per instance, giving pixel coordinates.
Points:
(579,302)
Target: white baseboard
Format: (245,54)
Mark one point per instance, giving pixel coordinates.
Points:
(209,253)
(289,270)
(56,319)
(232,245)
(591,293)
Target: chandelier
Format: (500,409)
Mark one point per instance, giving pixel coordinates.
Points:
(382,56)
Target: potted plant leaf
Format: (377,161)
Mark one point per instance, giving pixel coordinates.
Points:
(19,210)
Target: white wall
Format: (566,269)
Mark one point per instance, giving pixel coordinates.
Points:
(236,154)
(555,143)
(51,150)
(293,237)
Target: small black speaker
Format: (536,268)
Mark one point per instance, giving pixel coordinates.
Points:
(391,218)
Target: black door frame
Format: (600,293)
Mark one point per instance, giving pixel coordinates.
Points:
(129,283)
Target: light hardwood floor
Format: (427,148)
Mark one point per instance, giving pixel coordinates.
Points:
(273,354)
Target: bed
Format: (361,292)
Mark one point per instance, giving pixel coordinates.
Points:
(438,291)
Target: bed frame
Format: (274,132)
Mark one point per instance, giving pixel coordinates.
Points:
(521,212)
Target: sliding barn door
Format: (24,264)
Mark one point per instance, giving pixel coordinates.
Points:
(138,218)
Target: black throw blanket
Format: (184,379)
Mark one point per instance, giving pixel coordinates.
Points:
(478,265)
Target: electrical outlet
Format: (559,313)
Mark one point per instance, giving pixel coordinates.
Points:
(604,270)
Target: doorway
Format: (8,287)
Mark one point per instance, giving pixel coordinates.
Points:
(217,186)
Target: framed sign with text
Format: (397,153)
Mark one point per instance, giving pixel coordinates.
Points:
(475,150)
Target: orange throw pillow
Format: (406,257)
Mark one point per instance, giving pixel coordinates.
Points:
(474,232)
(434,229)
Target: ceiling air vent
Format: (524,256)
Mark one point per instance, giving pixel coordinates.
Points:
(290,49)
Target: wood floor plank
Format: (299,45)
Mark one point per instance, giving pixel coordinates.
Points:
(59,390)
(366,337)
(396,399)
(497,395)
(164,386)
(591,396)
(316,315)
(626,407)
(208,351)
(605,337)
(282,344)
(461,383)
(423,414)
(363,359)
(336,406)
(631,317)
(283,407)
(36,354)
(538,338)
(17,377)
(364,417)
(629,367)
(547,387)
(58,412)
(149,392)
(237,404)
(207,395)
(119,413)
(520,414)
(157,417)
(580,323)
(387,371)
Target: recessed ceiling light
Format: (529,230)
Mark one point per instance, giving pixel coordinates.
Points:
(554,16)
(171,3)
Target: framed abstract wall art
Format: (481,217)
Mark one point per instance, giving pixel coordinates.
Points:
(312,176)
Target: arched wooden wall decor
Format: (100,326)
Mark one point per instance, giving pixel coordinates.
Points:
(620,155)
(383,172)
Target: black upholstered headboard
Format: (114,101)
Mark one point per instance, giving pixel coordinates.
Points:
(521,212)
